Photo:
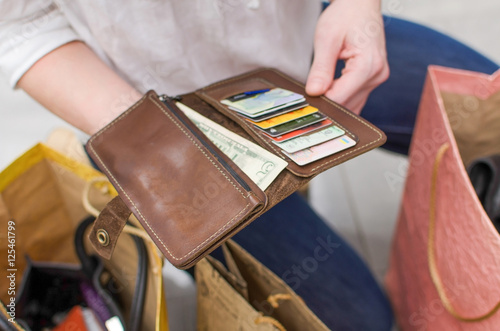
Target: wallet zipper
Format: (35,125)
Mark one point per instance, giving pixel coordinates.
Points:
(164,98)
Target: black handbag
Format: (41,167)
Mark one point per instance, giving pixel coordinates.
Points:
(484,174)
(48,289)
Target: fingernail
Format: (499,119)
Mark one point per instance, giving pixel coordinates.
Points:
(314,86)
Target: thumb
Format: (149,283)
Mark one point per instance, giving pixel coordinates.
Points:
(320,77)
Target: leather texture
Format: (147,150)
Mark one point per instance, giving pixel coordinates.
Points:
(181,193)
(184,197)
(464,242)
(367,135)
(206,102)
(112,220)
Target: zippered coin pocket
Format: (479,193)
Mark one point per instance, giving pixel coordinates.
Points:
(185,192)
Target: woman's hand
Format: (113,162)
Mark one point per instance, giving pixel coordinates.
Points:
(353,31)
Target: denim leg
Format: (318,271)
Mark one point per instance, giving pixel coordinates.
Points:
(296,244)
(292,241)
(410,49)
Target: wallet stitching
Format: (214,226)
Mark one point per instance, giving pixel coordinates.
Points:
(197,248)
(132,202)
(211,87)
(340,108)
(233,79)
(259,133)
(175,122)
(214,87)
(208,96)
(199,147)
(115,120)
(277,151)
(268,143)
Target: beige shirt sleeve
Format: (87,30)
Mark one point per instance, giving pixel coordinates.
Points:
(29,30)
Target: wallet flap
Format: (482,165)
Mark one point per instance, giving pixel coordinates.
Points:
(186,195)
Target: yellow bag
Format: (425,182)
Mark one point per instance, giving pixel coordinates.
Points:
(40,208)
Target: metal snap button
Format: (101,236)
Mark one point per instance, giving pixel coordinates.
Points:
(103,237)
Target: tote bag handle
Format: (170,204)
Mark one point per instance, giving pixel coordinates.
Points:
(431,249)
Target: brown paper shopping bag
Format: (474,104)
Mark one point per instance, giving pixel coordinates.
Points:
(248,296)
(40,208)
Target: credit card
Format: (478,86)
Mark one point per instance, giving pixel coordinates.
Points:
(320,151)
(267,115)
(274,98)
(277,120)
(246,95)
(271,110)
(320,136)
(294,125)
(303,131)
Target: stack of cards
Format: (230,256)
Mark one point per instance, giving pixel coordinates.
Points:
(302,132)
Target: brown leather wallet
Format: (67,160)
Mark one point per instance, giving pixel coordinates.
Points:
(186,193)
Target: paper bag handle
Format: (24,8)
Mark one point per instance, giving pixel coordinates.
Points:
(431,249)
(113,218)
(269,320)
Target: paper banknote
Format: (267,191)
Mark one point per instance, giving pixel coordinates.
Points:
(260,165)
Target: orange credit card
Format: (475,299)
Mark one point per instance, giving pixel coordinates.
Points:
(284,118)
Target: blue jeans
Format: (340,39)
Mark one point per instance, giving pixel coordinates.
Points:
(410,49)
(295,243)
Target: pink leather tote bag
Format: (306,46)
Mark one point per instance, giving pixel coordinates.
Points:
(444,269)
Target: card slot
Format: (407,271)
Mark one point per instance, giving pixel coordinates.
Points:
(224,91)
(292,166)
(213,94)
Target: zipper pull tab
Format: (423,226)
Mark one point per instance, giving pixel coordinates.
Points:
(164,97)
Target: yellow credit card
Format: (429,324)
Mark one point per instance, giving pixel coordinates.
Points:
(280,119)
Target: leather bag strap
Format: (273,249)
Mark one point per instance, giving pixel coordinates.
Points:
(108,227)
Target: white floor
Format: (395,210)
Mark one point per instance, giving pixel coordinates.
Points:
(360,198)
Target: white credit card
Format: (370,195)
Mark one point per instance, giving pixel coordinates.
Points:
(302,142)
(272,99)
(320,151)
